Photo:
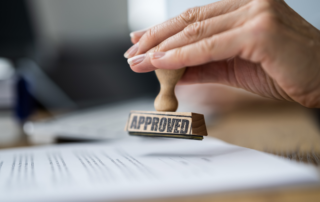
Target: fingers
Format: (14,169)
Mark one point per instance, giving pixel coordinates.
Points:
(217,47)
(135,36)
(204,29)
(132,50)
(141,63)
(161,32)
(191,34)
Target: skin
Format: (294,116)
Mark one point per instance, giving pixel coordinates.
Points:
(262,46)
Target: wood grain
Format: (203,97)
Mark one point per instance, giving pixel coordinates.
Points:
(288,194)
(166,101)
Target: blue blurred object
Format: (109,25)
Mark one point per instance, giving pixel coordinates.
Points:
(25,103)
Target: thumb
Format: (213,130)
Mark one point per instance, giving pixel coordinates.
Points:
(213,72)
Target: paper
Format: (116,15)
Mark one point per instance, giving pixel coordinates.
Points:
(137,168)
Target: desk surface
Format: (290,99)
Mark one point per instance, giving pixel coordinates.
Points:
(283,129)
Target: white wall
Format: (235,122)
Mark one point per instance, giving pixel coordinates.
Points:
(146,13)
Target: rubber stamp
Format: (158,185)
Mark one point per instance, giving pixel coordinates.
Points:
(166,122)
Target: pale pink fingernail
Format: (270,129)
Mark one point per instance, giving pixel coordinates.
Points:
(132,51)
(136,59)
(137,33)
(157,55)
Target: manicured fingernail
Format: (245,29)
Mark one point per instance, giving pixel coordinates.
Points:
(132,51)
(132,34)
(136,59)
(157,55)
(137,33)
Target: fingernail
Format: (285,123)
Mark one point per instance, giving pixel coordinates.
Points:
(132,51)
(136,59)
(157,55)
(137,33)
(132,34)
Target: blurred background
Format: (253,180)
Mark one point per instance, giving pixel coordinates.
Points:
(63,78)
(65,55)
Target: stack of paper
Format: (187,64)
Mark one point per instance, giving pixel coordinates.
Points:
(137,168)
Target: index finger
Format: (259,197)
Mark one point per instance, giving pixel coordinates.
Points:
(218,47)
(158,33)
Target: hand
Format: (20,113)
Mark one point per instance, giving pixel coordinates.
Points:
(262,46)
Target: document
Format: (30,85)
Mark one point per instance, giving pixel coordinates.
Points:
(140,168)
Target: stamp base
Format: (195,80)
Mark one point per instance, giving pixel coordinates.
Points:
(191,137)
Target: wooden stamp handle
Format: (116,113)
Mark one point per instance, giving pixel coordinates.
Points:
(166,101)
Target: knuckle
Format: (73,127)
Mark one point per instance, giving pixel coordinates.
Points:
(191,15)
(157,48)
(309,102)
(304,97)
(259,6)
(265,25)
(151,34)
(193,31)
(207,46)
(163,46)
(267,21)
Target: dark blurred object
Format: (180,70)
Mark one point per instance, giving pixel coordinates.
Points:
(89,66)
(25,103)
(17,34)
(100,75)
(317,115)
(17,40)
(85,70)
(35,90)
